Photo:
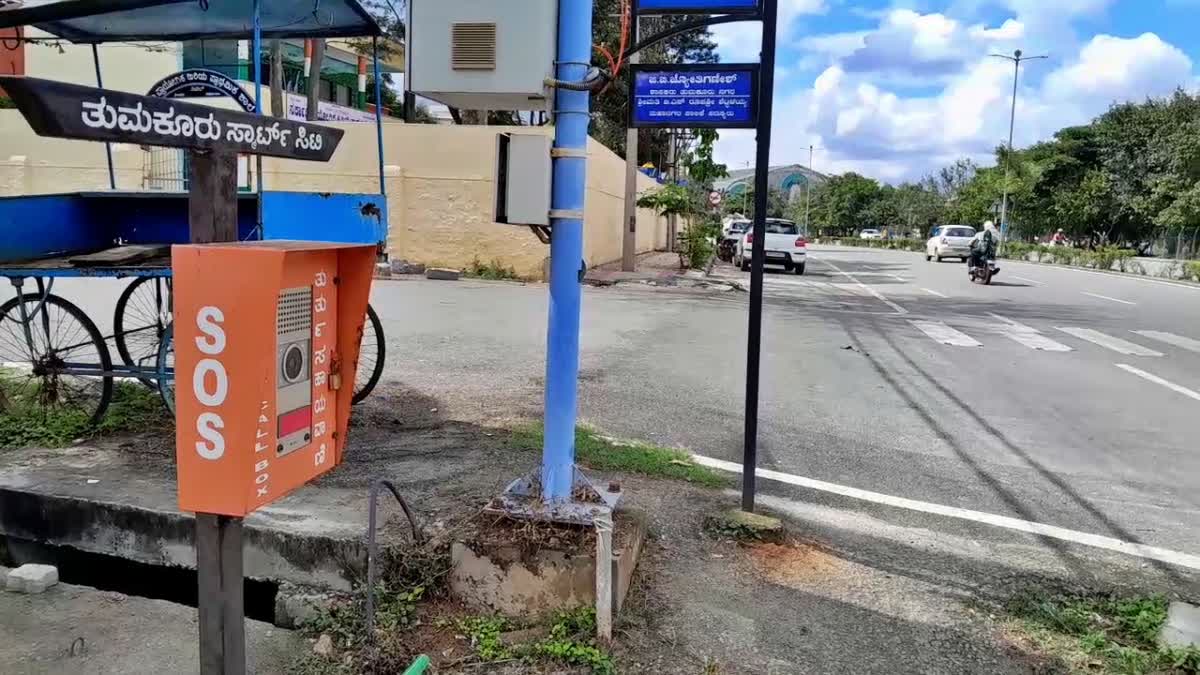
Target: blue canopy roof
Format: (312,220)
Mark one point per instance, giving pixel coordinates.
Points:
(91,21)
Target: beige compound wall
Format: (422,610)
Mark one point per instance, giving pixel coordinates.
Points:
(439,183)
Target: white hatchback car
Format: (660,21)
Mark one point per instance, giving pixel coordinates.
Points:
(949,241)
(786,245)
(870,234)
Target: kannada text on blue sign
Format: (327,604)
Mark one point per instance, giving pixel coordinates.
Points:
(711,98)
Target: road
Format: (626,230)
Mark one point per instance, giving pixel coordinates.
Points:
(1055,396)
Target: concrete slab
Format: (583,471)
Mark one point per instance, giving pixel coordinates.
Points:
(76,630)
(529,581)
(119,500)
(1182,629)
(31,578)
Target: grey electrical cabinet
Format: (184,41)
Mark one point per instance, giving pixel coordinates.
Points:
(482,54)
(522,179)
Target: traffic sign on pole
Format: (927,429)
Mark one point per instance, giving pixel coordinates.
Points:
(714,198)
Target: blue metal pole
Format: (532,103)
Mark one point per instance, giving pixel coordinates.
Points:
(379,130)
(378,112)
(566,250)
(112,176)
(256,48)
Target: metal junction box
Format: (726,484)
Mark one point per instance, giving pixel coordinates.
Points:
(482,54)
(522,179)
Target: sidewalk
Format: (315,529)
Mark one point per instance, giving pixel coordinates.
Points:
(845,592)
(659,268)
(114,634)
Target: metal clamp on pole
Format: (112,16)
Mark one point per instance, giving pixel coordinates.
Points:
(568,153)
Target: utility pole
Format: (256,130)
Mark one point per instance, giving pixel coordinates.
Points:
(762,164)
(569,183)
(672,177)
(629,241)
(1016,58)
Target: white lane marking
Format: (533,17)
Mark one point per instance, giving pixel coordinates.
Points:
(1052,531)
(1029,336)
(933,292)
(897,277)
(1171,338)
(1028,281)
(1116,344)
(872,291)
(1158,380)
(945,334)
(1105,297)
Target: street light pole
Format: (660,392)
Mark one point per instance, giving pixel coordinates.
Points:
(1016,58)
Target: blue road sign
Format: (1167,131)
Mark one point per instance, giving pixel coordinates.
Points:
(718,96)
(645,7)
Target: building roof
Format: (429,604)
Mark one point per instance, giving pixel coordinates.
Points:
(779,177)
(96,21)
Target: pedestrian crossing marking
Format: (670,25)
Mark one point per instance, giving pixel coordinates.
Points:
(946,335)
(1029,336)
(1109,342)
(1171,339)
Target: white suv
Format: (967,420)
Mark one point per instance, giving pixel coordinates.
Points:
(785,245)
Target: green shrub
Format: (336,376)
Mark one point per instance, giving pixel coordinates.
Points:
(1192,270)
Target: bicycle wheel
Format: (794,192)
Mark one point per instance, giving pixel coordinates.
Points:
(370,358)
(164,367)
(142,314)
(55,361)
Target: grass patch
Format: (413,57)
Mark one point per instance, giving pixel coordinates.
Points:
(606,454)
(571,641)
(134,408)
(1101,633)
(495,270)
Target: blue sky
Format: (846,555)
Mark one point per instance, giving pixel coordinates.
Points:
(895,89)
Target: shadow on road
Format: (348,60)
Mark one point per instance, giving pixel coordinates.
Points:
(992,482)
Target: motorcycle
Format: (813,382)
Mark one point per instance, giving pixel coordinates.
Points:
(983,273)
(726,249)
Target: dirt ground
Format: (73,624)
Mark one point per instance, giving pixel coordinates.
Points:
(699,603)
(824,600)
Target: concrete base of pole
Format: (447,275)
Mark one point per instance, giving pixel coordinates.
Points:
(516,577)
(522,500)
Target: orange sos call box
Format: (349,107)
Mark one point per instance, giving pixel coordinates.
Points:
(266,346)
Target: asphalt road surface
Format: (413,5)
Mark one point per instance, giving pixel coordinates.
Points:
(1056,396)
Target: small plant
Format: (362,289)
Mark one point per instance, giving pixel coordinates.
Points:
(494,270)
(484,636)
(1102,633)
(134,408)
(606,454)
(572,642)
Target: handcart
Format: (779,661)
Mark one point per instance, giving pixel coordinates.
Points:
(51,352)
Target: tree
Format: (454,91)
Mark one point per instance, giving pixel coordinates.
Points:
(314,79)
(701,169)
(743,203)
(611,108)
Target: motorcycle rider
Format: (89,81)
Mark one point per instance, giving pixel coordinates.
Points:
(983,246)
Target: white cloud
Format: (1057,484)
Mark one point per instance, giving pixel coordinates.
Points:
(1011,29)
(1111,68)
(859,124)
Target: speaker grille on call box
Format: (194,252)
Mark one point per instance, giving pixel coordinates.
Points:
(293,369)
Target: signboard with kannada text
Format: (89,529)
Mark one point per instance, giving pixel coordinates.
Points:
(201,83)
(61,110)
(650,7)
(715,96)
